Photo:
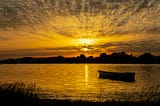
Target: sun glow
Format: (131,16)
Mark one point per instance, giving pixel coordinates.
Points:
(85,41)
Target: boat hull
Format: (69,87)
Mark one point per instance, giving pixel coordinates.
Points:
(127,77)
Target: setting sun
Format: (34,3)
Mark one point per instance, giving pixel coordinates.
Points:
(85,49)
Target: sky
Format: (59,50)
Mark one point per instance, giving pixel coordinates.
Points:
(43,28)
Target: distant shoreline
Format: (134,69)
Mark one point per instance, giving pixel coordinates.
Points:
(114,58)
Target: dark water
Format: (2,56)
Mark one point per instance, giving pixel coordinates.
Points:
(78,81)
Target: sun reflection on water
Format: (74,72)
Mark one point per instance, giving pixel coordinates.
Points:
(86,74)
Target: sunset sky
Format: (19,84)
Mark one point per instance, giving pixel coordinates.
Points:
(71,27)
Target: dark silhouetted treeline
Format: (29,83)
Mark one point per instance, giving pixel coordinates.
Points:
(117,58)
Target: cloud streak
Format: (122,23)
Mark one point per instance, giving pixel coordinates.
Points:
(40,52)
(132,46)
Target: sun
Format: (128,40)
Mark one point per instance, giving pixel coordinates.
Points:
(85,44)
(85,49)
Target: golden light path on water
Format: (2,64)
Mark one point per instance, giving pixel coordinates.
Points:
(86,74)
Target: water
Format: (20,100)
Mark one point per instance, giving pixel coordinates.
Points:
(80,80)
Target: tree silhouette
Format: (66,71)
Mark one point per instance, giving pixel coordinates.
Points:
(103,58)
(146,58)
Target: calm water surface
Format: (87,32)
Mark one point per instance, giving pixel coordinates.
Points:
(80,80)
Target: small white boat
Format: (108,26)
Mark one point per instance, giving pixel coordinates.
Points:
(121,76)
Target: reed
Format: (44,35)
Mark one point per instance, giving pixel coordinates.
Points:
(18,93)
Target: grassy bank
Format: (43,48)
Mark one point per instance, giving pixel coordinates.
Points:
(21,94)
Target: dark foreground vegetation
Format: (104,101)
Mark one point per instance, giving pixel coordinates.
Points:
(20,94)
(121,57)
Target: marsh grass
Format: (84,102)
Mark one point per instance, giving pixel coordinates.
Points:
(18,93)
(22,94)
